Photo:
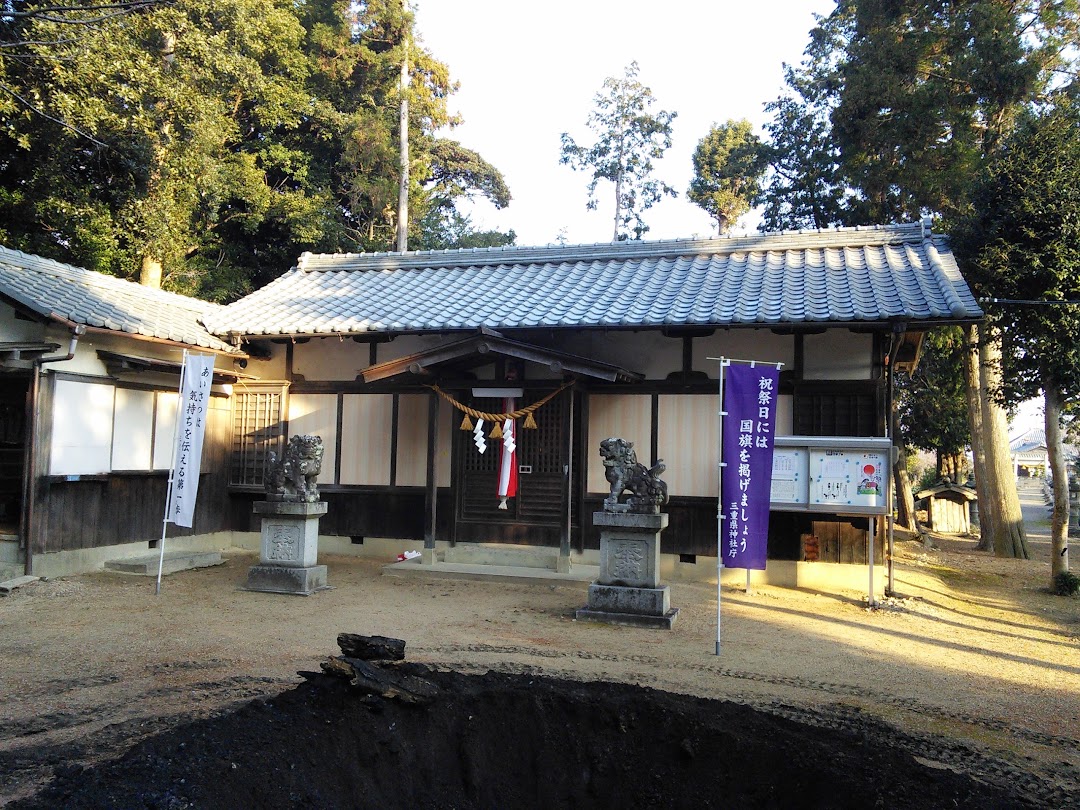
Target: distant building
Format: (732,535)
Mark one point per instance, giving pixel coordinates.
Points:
(1028,454)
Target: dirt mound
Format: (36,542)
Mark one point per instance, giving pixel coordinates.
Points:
(498,740)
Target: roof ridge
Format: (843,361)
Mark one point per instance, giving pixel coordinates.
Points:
(856,236)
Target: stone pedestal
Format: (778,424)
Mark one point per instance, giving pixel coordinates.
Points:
(628,590)
(289,549)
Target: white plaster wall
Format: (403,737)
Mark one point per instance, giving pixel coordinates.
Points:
(272,368)
(838,354)
(648,353)
(82,428)
(14,330)
(133,417)
(329,359)
(743,344)
(86,360)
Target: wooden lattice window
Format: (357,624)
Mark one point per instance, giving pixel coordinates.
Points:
(839,409)
(258,418)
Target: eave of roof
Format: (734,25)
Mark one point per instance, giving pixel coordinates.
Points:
(118,363)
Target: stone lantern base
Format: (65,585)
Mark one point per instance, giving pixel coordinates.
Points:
(628,591)
(289,549)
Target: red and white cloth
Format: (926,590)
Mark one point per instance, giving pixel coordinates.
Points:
(508,468)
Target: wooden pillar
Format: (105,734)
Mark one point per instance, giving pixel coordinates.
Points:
(431,496)
(563,565)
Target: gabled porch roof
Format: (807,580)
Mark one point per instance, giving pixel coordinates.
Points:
(481,348)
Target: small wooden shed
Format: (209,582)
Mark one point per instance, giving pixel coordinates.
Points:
(948,507)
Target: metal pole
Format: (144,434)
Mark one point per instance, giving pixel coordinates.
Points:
(719,501)
(172,472)
(873,529)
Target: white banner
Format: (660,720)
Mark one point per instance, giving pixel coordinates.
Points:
(191,418)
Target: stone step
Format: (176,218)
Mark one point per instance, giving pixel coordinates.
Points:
(10,584)
(497,554)
(147,564)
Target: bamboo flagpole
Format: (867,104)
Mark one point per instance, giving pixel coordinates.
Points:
(196,378)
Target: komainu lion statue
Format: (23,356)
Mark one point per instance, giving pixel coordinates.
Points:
(624,472)
(293,478)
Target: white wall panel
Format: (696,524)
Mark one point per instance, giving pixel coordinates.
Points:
(838,354)
(165,431)
(366,422)
(82,427)
(626,416)
(688,440)
(133,430)
(316,415)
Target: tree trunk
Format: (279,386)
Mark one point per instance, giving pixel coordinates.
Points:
(905,501)
(618,207)
(987,513)
(150,273)
(1009,537)
(951,466)
(403,143)
(1055,450)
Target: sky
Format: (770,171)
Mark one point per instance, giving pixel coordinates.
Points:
(530,71)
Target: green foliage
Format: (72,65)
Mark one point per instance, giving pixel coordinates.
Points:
(220,137)
(629,139)
(457,172)
(932,402)
(898,103)
(447,229)
(1022,243)
(805,186)
(728,165)
(1066,583)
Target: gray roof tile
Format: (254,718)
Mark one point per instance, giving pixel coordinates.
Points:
(844,275)
(55,290)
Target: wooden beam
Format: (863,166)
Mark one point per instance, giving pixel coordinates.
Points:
(431,494)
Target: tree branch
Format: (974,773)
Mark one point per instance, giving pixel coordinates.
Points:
(44,114)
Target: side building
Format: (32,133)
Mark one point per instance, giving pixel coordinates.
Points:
(89,373)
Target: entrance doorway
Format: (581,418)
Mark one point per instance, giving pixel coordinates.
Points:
(538,514)
(12,449)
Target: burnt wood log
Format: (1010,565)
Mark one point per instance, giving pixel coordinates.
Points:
(386,682)
(371,648)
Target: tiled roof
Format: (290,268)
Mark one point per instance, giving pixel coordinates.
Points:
(840,276)
(60,291)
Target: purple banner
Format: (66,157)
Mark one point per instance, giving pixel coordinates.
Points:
(747,431)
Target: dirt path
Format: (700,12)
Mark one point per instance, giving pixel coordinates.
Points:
(973,662)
